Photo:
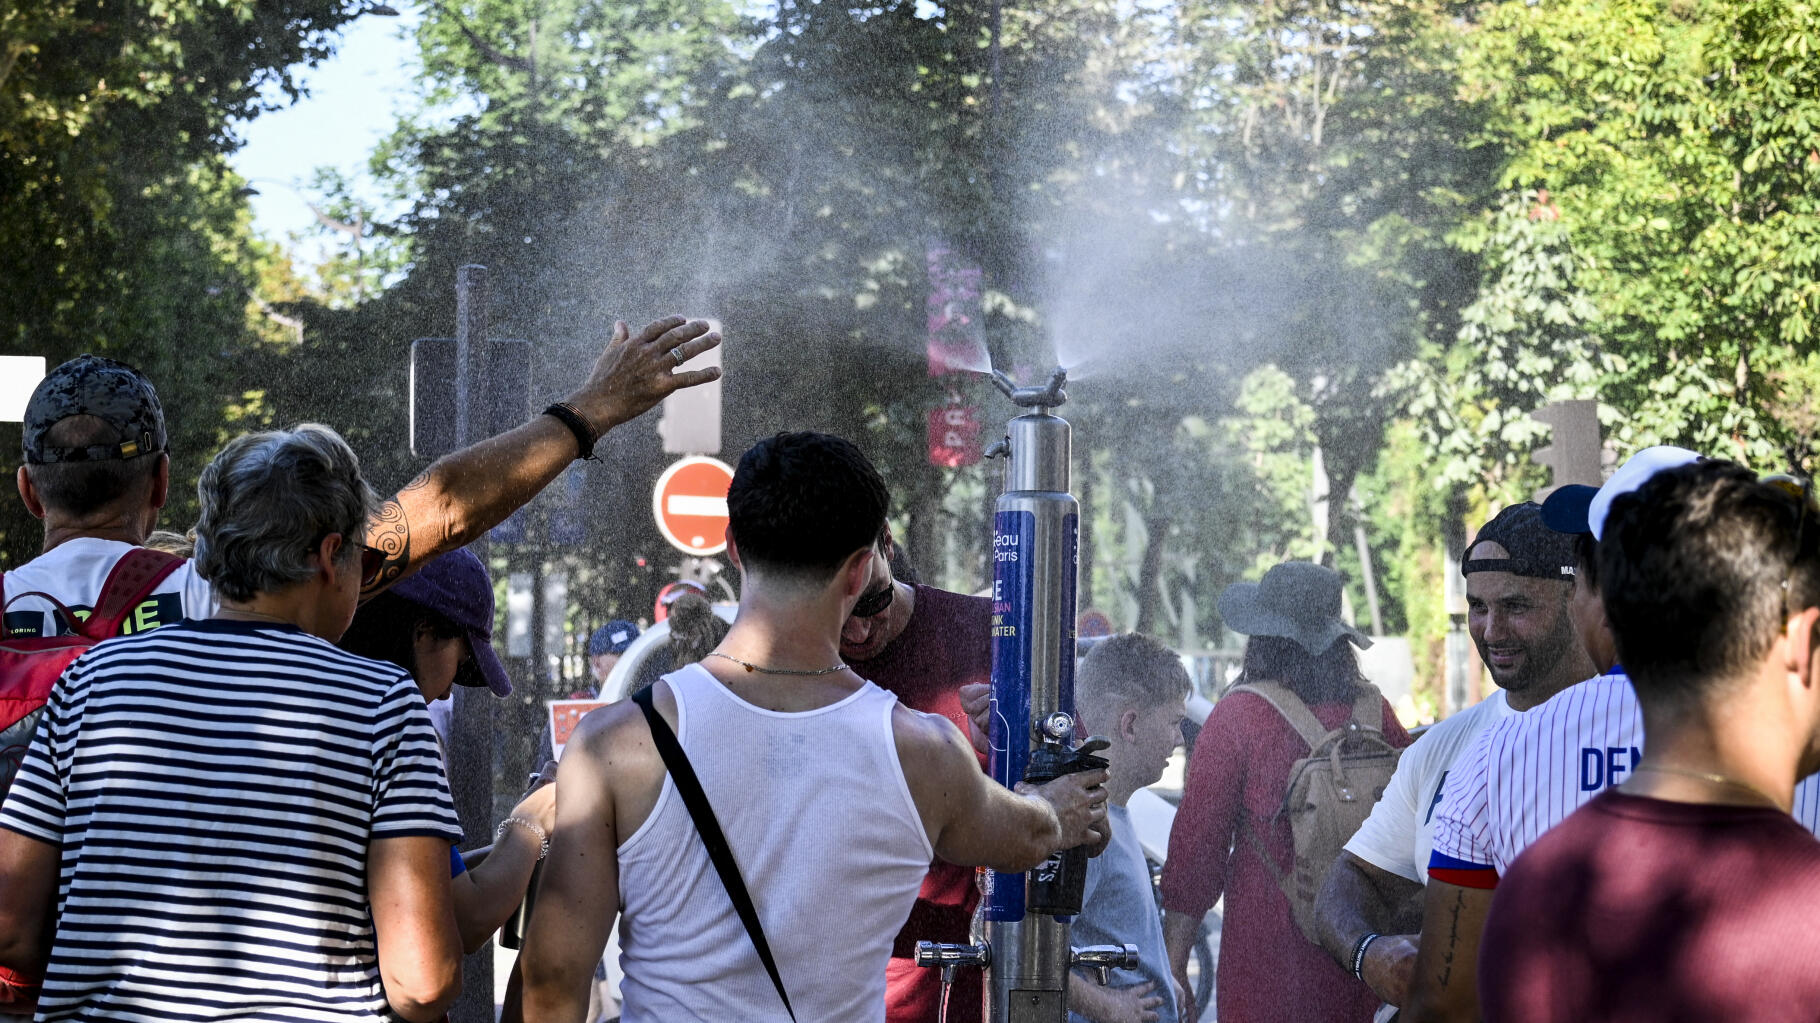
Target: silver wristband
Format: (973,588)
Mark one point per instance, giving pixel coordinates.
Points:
(543,839)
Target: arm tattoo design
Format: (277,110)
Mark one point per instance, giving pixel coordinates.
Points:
(389,533)
(1453,940)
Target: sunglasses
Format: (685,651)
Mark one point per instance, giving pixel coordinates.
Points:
(870,604)
(372,560)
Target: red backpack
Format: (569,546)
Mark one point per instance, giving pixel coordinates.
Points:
(30,666)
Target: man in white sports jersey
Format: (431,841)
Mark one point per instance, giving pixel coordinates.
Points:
(832,796)
(97,472)
(1518,588)
(1524,775)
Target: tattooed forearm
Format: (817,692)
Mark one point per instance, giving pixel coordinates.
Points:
(389,533)
(1453,939)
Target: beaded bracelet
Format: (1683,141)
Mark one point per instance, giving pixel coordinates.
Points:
(543,840)
(1358,953)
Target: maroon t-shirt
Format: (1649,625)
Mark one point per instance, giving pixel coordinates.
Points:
(946,644)
(1636,910)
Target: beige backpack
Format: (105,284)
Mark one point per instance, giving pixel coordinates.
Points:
(1330,793)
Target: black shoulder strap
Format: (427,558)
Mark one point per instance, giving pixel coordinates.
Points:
(689,788)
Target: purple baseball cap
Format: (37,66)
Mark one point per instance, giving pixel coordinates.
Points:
(457,586)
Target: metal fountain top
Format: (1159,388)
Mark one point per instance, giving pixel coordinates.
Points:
(1045,398)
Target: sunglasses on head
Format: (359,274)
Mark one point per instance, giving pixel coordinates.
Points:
(871,604)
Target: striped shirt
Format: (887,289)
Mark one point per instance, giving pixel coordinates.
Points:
(1525,774)
(214,786)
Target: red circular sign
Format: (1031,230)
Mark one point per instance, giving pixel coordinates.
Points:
(690,502)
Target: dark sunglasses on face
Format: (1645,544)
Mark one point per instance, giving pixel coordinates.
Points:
(869,605)
(372,562)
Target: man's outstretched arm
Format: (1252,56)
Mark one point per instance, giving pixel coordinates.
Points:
(464,494)
(1360,898)
(1445,988)
(974,821)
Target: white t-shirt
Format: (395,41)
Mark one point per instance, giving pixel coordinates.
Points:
(74,572)
(1399,834)
(1525,774)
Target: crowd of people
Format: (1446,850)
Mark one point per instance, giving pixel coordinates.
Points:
(233,803)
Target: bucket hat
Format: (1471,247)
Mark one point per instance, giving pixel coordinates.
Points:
(1296,600)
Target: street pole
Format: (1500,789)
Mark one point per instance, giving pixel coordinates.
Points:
(471,727)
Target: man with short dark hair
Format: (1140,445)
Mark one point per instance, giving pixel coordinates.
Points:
(832,796)
(925,645)
(1519,584)
(97,472)
(1688,892)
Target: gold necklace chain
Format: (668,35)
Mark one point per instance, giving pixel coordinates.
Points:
(1708,776)
(761,669)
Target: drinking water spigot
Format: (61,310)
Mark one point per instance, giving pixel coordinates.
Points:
(947,956)
(1046,397)
(1103,959)
(950,958)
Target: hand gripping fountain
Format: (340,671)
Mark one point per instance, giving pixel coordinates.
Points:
(1021,933)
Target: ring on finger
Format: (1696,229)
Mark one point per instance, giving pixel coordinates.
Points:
(677,354)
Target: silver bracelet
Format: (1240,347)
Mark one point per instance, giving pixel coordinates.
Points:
(543,839)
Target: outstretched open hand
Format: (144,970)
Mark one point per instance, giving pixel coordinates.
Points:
(636,371)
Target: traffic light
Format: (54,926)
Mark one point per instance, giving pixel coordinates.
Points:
(1573,457)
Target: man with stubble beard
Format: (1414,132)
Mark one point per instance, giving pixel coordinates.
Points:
(1519,589)
(922,644)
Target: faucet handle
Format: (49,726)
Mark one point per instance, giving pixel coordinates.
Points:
(1101,959)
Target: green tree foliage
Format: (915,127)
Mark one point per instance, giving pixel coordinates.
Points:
(1680,141)
(123,234)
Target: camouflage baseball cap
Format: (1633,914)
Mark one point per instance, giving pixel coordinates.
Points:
(90,385)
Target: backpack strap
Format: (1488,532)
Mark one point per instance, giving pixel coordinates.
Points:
(1368,709)
(702,812)
(133,579)
(1292,709)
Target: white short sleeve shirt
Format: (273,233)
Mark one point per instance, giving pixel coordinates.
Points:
(74,572)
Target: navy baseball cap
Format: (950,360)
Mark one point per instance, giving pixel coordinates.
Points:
(113,392)
(1582,509)
(612,638)
(457,586)
(1530,548)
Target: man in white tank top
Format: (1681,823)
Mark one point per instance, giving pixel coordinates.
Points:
(833,797)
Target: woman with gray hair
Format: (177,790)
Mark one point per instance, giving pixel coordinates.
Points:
(249,822)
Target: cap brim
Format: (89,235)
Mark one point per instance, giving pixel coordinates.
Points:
(1566,510)
(488,669)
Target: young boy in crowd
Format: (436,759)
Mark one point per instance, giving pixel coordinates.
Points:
(1131,690)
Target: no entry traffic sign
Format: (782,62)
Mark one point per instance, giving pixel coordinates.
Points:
(690,502)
